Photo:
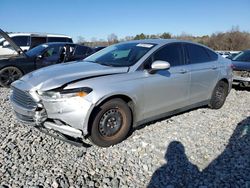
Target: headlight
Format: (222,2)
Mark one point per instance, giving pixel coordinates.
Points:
(78,92)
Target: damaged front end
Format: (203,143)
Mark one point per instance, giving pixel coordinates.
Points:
(53,111)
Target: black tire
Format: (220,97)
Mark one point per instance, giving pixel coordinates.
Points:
(9,75)
(219,95)
(110,123)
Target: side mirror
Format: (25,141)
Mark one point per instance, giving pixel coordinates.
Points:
(6,44)
(39,57)
(159,65)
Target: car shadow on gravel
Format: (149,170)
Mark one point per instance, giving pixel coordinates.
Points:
(230,169)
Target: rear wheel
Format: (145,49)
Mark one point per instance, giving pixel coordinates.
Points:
(9,75)
(111,123)
(219,95)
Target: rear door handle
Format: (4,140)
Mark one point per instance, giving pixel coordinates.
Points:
(214,67)
(183,71)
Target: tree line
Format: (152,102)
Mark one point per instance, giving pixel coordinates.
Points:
(232,40)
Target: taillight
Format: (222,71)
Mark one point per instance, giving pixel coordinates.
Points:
(232,66)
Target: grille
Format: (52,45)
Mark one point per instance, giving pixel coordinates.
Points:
(24,118)
(244,74)
(23,99)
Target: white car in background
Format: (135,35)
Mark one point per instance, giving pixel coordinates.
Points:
(27,41)
(228,54)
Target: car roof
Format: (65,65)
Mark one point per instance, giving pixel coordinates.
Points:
(38,34)
(62,43)
(162,42)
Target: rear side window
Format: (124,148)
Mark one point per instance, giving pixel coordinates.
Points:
(212,55)
(171,53)
(57,39)
(82,50)
(21,40)
(69,40)
(197,54)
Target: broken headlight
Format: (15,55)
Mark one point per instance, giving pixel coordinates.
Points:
(78,92)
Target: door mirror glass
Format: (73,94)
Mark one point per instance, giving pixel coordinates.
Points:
(39,57)
(159,65)
(6,44)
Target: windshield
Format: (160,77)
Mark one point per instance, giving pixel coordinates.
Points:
(120,55)
(242,56)
(37,50)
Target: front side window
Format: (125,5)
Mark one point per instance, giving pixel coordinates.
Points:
(242,56)
(172,53)
(197,54)
(121,55)
(52,51)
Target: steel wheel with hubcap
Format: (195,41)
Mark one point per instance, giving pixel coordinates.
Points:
(9,75)
(111,123)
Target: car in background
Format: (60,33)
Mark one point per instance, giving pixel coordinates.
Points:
(121,87)
(228,54)
(241,68)
(13,67)
(28,41)
(233,54)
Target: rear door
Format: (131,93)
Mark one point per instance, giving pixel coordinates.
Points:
(167,90)
(204,72)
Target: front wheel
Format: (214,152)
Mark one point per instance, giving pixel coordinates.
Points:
(111,123)
(9,75)
(219,95)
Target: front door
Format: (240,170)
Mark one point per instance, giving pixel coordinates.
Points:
(49,57)
(167,90)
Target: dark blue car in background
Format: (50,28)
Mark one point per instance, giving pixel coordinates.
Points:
(241,68)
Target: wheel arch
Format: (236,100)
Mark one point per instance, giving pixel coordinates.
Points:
(6,66)
(130,102)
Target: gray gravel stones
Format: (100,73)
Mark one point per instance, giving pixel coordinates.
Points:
(199,148)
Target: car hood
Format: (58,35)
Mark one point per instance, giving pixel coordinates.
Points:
(62,74)
(241,65)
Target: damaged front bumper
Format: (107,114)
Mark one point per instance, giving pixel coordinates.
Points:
(241,76)
(68,116)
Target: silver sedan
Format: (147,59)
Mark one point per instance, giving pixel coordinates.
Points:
(120,87)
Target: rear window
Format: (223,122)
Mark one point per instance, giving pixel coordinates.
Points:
(242,56)
(197,54)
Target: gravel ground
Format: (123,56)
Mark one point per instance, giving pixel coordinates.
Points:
(200,148)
